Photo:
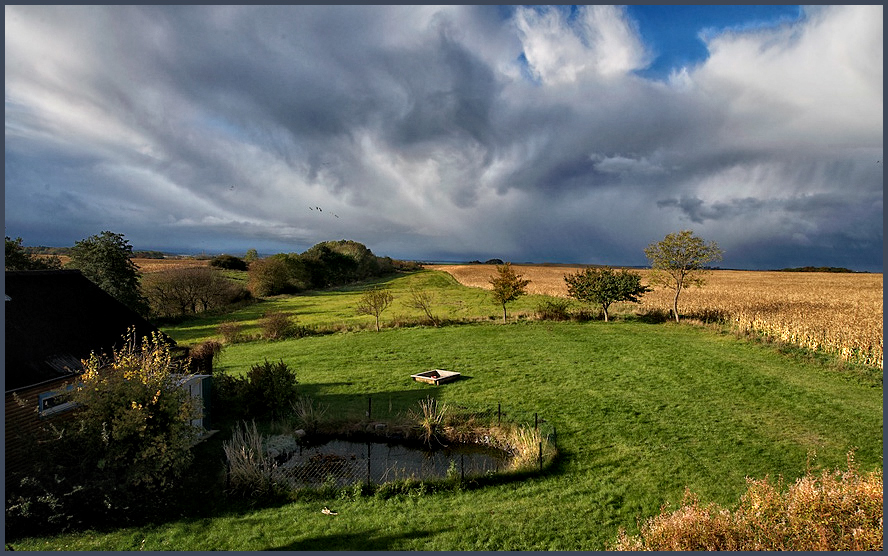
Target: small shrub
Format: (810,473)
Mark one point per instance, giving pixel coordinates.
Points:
(277,326)
(584,315)
(229,394)
(555,309)
(204,354)
(653,316)
(271,390)
(231,332)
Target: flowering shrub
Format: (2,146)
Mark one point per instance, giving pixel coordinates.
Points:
(127,444)
(133,416)
(839,510)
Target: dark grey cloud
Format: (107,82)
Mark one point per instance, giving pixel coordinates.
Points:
(439,131)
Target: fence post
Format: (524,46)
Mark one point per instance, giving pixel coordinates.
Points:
(535,422)
(499,412)
(368,464)
(541,456)
(369,406)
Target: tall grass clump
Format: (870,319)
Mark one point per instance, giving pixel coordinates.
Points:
(308,413)
(430,417)
(838,510)
(250,469)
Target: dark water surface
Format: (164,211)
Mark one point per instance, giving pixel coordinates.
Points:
(345,462)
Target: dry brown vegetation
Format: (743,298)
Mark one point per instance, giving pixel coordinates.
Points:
(839,510)
(831,312)
(147,266)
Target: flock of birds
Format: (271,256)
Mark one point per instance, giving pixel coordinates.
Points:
(319,209)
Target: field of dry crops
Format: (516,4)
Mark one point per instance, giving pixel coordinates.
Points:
(148,266)
(831,312)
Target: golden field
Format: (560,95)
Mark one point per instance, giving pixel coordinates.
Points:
(831,312)
(148,266)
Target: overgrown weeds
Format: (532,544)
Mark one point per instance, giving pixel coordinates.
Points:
(838,510)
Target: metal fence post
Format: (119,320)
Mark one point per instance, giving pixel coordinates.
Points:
(541,456)
(499,412)
(368,464)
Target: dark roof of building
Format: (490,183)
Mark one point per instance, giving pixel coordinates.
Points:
(55,318)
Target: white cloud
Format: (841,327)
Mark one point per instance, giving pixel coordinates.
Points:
(600,41)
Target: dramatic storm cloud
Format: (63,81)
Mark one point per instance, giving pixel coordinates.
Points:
(528,134)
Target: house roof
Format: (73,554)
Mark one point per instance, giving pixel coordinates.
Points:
(55,318)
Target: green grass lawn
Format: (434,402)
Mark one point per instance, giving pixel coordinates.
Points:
(642,412)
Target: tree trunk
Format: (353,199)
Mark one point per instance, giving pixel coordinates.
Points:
(604,310)
(504,313)
(675,302)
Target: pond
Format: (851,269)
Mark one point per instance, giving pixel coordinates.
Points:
(345,462)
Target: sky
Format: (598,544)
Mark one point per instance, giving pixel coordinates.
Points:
(451,133)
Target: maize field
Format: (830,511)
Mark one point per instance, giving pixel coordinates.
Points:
(838,313)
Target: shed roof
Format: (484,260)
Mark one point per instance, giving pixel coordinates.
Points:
(55,318)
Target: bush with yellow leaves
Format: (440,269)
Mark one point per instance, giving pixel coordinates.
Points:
(133,417)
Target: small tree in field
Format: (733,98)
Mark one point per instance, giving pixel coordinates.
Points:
(422,300)
(679,260)
(374,301)
(603,286)
(507,286)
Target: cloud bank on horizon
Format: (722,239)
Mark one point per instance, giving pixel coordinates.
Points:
(444,133)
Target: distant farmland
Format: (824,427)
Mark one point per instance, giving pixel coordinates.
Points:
(832,312)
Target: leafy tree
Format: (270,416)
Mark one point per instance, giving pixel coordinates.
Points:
(106,259)
(603,286)
(18,259)
(268,276)
(374,301)
(507,286)
(250,256)
(229,262)
(679,260)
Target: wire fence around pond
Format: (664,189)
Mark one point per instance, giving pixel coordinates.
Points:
(385,454)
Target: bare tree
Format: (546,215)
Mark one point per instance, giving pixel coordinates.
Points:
(374,301)
(422,300)
(182,291)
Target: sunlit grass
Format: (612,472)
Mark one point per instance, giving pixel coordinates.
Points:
(642,412)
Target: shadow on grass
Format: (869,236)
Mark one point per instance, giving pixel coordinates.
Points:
(365,540)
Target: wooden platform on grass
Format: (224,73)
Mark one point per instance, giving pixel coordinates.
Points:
(436,376)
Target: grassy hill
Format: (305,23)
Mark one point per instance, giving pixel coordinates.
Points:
(642,411)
